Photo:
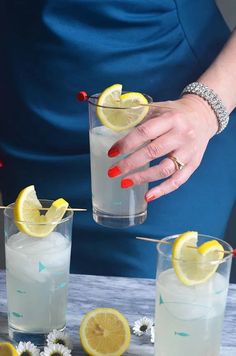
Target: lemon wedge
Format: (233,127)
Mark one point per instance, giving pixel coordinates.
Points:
(194,265)
(119,111)
(104,331)
(28,217)
(7,349)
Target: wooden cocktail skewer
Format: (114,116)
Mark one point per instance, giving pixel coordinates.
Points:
(153,240)
(68,209)
(83,96)
(169,243)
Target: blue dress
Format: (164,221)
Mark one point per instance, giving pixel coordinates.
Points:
(53,48)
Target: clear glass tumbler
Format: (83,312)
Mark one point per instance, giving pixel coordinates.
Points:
(37,276)
(112,205)
(189,319)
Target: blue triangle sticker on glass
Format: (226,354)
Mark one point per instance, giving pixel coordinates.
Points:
(161,300)
(61,285)
(41,267)
(17,315)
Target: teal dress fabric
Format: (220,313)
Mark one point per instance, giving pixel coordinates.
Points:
(53,48)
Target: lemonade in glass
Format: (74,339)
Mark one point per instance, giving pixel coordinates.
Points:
(37,267)
(191,295)
(112,115)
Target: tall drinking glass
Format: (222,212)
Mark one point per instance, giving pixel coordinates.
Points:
(37,271)
(112,205)
(189,319)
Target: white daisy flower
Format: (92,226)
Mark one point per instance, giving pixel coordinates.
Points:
(56,350)
(142,326)
(59,337)
(27,349)
(152,334)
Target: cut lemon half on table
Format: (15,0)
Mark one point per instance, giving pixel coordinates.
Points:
(31,220)
(105,331)
(195,265)
(7,349)
(119,111)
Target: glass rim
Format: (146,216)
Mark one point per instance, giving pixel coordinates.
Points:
(224,259)
(10,208)
(92,101)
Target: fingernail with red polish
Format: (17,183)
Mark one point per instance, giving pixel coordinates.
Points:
(150,197)
(126,183)
(114,172)
(113,152)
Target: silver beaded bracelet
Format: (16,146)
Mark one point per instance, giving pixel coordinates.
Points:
(212,99)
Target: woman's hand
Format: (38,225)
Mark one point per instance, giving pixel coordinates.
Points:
(181,129)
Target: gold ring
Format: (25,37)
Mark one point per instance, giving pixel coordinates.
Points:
(178,164)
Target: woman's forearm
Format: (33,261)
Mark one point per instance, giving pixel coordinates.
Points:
(221,75)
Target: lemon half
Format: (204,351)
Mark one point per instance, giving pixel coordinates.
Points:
(7,349)
(105,331)
(119,111)
(194,265)
(30,219)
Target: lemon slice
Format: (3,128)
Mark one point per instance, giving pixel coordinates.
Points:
(195,265)
(116,118)
(7,349)
(30,220)
(105,331)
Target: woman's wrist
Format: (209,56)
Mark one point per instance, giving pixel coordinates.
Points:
(202,108)
(212,100)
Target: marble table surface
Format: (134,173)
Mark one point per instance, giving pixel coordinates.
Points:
(133,297)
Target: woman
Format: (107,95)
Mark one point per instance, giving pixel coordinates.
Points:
(53,48)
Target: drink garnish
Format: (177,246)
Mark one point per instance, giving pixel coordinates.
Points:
(7,349)
(28,217)
(197,264)
(119,111)
(82,95)
(104,331)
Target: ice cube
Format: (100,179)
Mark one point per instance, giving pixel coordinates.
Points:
(26,255)
(191,302)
